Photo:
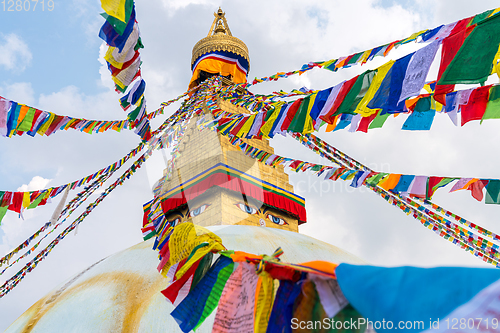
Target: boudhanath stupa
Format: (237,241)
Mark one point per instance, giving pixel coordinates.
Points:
(251,206)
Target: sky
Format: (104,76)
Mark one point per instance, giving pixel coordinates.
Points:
(52,60)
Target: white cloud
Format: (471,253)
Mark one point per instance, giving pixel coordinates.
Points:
(37,183)
(106,80)
(15,54)
(180,4)
(21,92)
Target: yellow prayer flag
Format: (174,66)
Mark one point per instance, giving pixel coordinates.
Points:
(26,199)
(308,124)
(377,81)
(328,63)
(415,35)
(364,57)
(496,64)
(494,12)
(266,128)
(115,8)
(46,125)
(263,302)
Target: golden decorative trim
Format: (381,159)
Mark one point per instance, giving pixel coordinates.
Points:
(220,39)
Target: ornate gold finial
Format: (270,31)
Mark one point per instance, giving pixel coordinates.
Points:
(219,38)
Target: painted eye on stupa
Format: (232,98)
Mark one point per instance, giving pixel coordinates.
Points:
(198,211)
(246,208)
(175,221)
(276,219)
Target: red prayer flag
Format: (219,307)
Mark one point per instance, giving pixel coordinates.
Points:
(172,291)
(431,182)
(55,125)
(17,202)
(451,45)
(477,187)
(290,114)
(476,106)
(7,198)
(365,122)
(239,125)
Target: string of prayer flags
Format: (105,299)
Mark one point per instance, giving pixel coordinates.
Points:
(19,119)
(440,225)
(307,114)
(18,201)
(465,239)
(153,144)
(486,36)
(68,210)
(418,186)
(121,33)
(168,128)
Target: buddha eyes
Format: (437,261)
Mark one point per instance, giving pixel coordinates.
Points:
(198,211)
(251,210)
(276,219)
(175,221)
(246,208)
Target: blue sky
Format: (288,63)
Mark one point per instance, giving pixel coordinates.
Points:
(55,67)
(64,51)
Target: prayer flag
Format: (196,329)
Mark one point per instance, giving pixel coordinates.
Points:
(451,45)
(493,106)
(493,192)
(476,106)
(417,70)
(387,96)
(474,60)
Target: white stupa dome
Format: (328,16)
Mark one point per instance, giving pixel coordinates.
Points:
(121,293)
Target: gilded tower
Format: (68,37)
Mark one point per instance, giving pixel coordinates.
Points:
(213,184)
(219,183)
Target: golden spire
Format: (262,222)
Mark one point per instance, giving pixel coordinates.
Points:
(221,23)
(219,38)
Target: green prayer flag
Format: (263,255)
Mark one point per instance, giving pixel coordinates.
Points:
(3,210)
(376,179)
(379,121)
(479,17)
(27,122)
(37,201)
(493,192)
(298,122)
(365,85)
(474,60)
(202,269)
(317,167)
(357,92)
(117,24)
(216,293)
(423,104)
(139,45)
(493,106)
(443,182)
(355,58)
